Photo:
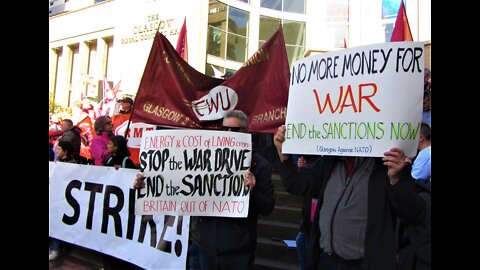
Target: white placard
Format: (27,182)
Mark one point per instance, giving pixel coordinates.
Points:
(194,172)
(356,102)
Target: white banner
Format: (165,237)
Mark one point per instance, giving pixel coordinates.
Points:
(93,207)
(194,172)
(359,101)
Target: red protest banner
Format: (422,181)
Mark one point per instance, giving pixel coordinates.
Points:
(172,93)
(87,132)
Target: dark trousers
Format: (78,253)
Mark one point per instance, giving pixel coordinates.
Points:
(236,260)
(193,262)
(332,262)
(302,249)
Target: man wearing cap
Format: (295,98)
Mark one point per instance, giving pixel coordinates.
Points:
(126,104)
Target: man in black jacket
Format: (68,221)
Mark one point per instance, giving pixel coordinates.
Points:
(358,202)
(226,242)
(72,134)
(230,243)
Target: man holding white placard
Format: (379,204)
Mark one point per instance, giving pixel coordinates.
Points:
(230,242)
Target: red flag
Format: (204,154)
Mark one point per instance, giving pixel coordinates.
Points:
(87,131)
(182,45)
(401,31)
(119,121)
(344,43)
(172,93)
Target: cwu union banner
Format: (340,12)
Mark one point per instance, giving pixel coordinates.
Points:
(172,93)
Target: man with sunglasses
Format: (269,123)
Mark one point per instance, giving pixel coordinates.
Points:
(226,242)
(230,243)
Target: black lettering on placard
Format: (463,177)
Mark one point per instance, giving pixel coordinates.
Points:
(70,220)
(114,194)
(154,160)
(214,184)
(114,211)
(229,158)
(154,186)
(93,188)
(131,213)
(178,243)
(164,245)
(153,230)
(199,161)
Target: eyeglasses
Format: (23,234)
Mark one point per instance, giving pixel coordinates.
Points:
(235,129)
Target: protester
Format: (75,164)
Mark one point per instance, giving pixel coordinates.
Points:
(427,111)
(126,105)
(103,128)
(306,165)
(422,166)
(215,252)
(427,79)
(357,205)
(51,154)
(117,147)
(64,154)
(72,134)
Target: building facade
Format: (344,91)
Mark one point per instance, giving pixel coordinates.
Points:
(91,40)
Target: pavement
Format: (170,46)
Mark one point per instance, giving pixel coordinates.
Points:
(77,258)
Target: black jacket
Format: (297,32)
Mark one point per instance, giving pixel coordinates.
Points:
(118,160)
(227,234)
(415,239)
(385,202)
(309,189)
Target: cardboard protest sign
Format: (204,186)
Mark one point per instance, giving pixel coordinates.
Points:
(194,172)
(356,102)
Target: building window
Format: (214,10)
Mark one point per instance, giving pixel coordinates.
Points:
(338,21)
(294,6)
(389,15)
(293,32)
(227,32)
(237,35)
(390,8)
(388,31)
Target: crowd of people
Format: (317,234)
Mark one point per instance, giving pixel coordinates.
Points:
(365,213)
(66,140)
